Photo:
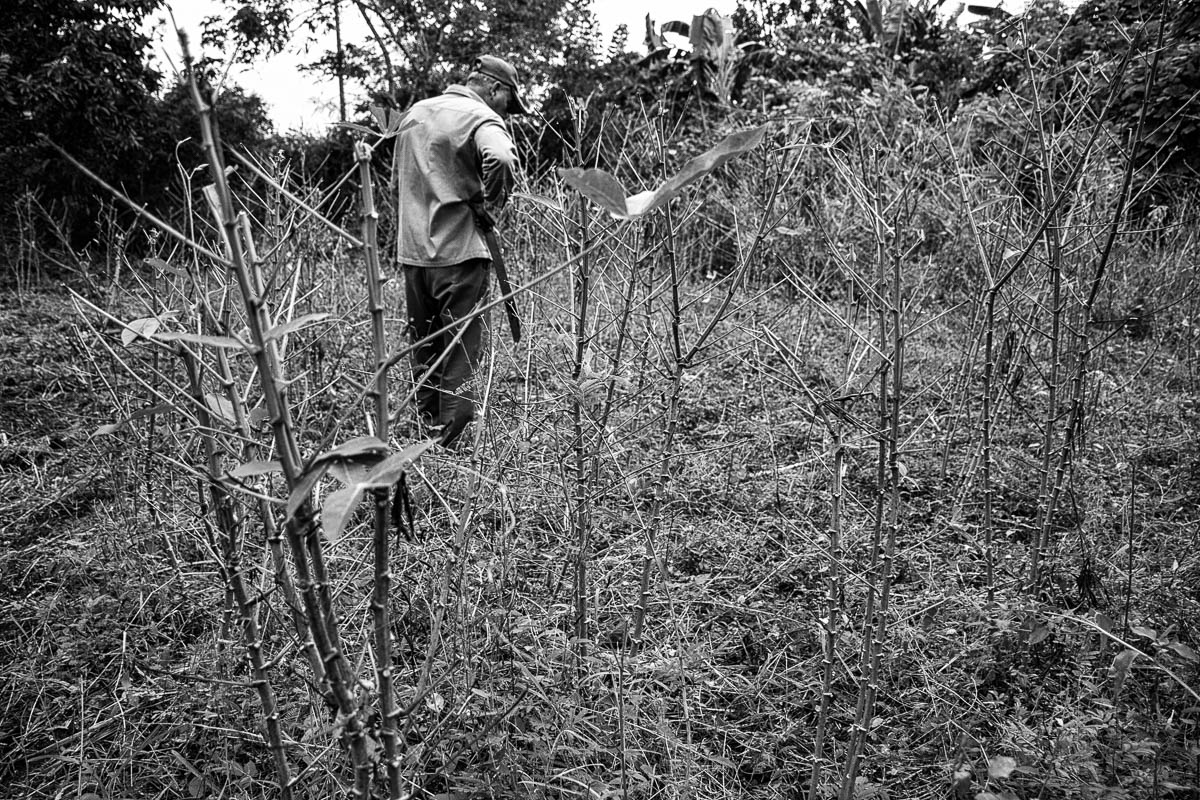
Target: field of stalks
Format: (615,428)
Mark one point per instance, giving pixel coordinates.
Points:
(861,463)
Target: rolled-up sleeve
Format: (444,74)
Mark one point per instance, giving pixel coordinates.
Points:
(498,155)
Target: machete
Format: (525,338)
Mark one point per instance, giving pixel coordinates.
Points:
(488,228)
(510,306)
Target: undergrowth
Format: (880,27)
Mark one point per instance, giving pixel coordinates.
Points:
(622,587)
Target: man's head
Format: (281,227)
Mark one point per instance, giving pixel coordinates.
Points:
(495,80)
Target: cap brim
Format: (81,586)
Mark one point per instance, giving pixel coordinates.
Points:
(516,104)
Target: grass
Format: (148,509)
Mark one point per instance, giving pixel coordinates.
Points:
(128,678)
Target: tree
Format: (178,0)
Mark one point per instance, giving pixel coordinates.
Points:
(418,47)
(433,39)
(74,73)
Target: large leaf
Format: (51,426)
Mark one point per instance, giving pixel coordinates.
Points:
(1183,651)
(707,35)
(730,147)
(598,186)
(1000,767)
(541,200)
(606,191)
(388,471)
(349,473)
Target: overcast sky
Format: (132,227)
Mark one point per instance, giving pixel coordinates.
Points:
(299,101)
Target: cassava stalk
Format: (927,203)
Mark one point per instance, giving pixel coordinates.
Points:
(225,515)
(379,397)
(303,532)
(580,508)
(832,608)
(887,478)
(283,578)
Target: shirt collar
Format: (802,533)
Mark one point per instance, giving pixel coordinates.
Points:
(463,91)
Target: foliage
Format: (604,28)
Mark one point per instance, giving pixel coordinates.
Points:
(171,131)
(713,445)
(121,639)
(76,73)
(418,48)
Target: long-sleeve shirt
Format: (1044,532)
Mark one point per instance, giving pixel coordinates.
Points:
(453,151)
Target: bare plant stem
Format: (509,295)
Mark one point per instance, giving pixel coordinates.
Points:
(283,578)
(1076,414)
(887,474)
(580,508)
(388,710)
(832,609)
(225,515)
(1053,196)
(989,491)
(671,417)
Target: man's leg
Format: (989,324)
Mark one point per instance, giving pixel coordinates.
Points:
(424,314)
(460,290)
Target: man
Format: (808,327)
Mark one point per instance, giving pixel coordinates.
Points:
(455,161)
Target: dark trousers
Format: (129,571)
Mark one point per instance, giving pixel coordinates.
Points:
(436,297)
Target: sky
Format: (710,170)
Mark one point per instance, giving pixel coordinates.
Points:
(299,101)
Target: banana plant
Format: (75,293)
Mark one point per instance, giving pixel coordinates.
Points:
(717,62)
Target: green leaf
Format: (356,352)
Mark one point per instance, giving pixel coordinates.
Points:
(389,120)
(143,328)
(303,488)
(223,342)
(1039,634)
(254,468)
(291,326)
(339,505)
(598,186)
(221,407)
(337,508)
(676,26)
(1001,767)
(541,200)
(380,113)
(359,447)
(1104,622)
(1119,670)
(1183,651)
(728,148)
(349,473)
(387,472)
(1145,633)
(158,408)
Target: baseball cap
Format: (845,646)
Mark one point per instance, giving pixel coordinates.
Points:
(500,70)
